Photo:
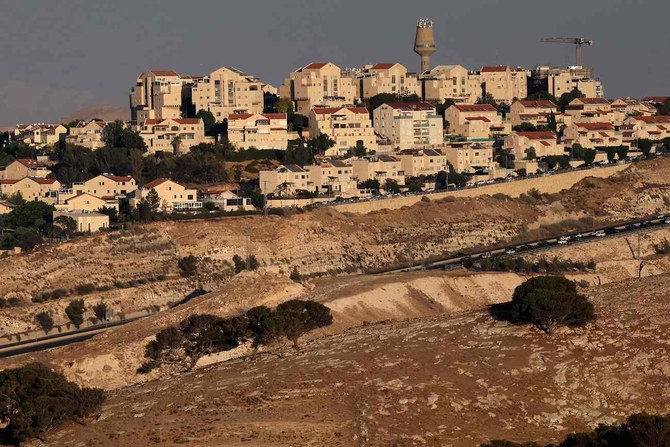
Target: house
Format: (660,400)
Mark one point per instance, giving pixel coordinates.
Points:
(87,222)
(259,130)
(85,202)
(173,135)
(5,207)
(590,110)
(544,143)
(227,200)
(41,135)
(423,162)
(87,134)
(409,124)
(226,92)
(172,195)
(655,127)
(285,180)
(348,126)
(31,188)
(318,84)
(391,78)
(332,177)
(378,167)
(25,167)
(450,82)
(473,121)
(503,83)
(469,157)
(535,112)
(592,135)
(107,186)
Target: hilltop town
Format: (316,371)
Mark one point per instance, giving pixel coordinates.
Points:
(358,256)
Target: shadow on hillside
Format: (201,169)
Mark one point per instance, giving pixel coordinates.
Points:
(500,311)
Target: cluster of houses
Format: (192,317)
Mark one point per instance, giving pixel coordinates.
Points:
(83,201)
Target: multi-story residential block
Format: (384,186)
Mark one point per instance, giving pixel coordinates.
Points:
(318,84)
(592,135)
(259,130)
(87,221)
(655,127)
(474,121)
(534,112)
(174,135)
(543,143)
(502,82)
(452,82)
(332,177)
(590,110)
(172,195)
(159,94)
(31,188)
(228,91)
(87,134)
(409,124)
(24,167)
(558,81)
(285,180)
(390,78)
(469,157)
(348,126)
(624,108)
(40,135)
(378,167)
(423,162)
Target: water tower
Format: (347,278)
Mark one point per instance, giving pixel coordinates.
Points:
(424,44)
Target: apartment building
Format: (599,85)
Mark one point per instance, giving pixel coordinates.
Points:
(259,130)
(558,81)
(474,121)
(502,82)
(423,162)
(319,84)
(409,124)
(172,195)
(469,157)
(286,180)
(332,177)
(378,167)
(348,126)
(390,78)
(592,135)
(25,167)
(537,113)
(228,91)
(452,82)
(544,143)
(174,135)
(655,127)
(159,95)
(627,107)
(40,135)
(30,188)
(87,134)
(590,110)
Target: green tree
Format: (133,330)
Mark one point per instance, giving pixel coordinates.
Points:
(117,134)
(525,127)
(320,144)
(530,154)
(64,226)
(441,180)
(370,184)
(297,317)
(441,108)
(546,301)
(110,211)
(100,311)
(611,154)
(295,274)
(262,323)
(75,312)
(239,263)
(148,206)
(27,238)
(383,98)
(487,99)
(391,186)
(589,156)
(44,321)
(359,150)
(567,98)
(415,185)
(33,214)
(645,145)
(207,118)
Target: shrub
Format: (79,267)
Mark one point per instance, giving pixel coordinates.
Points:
(85,289)
(188,265)
(35,399)
(297,317)
(546,301)
(100,311)
(295,275)
(3,303)
(75,312)
(58,293)
(252,263)
(14,301)
(44,321)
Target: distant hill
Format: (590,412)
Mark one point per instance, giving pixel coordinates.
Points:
(105,112)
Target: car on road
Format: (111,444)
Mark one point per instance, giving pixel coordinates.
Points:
(666,221)
(578,236)
(646,224)
(599,233)
(510,251)
(564,239)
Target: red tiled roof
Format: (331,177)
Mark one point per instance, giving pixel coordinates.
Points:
(475,108)
(538,135)
(494,68)
(314,66)
(544,143)
(8,182)
(592,100)
(30,163)
(658,99)
(331,110)
(154,183)
(410,105)
(152,121)
(119,178)
(275,116)
(239,116)
(43,181)
(538,104)
(164,72)
(186,120)
(653,119)
(595,126)
(478,118)
(384,66)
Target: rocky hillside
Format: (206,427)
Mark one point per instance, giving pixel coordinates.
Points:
(448,380)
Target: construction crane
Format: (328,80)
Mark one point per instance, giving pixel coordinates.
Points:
(576,41)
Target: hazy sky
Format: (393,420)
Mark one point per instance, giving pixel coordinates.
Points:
(57,56)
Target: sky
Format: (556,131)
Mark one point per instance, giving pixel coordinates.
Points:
(57,56)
